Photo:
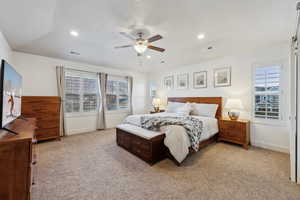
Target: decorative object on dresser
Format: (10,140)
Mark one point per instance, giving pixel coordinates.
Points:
(46,109)
(169,82)
(17,160)
(200,79)
(222,77)
(183,81)
(237,131)
(234,106)
(156,103)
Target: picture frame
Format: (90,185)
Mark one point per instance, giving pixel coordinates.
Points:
(183,81)
(169,82)
(200,79)
(222,77)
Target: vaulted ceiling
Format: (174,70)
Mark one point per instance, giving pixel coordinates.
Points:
(42,27)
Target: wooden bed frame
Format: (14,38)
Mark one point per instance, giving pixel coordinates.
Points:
(153,150)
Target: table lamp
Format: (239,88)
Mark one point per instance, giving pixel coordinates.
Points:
(234,106)
(156,103)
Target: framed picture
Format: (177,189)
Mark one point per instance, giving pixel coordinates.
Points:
(200,79)
(222,77)
(169,82)
(183,81)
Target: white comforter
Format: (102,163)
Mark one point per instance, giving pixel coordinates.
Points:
(177,140)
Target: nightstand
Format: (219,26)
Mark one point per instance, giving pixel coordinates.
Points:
(235,131)
(152,111)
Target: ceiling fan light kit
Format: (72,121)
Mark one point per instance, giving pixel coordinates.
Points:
(140,44)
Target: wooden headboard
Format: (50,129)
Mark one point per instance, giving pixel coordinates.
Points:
(208,100)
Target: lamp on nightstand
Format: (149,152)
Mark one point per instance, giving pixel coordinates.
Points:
(234,106)
(156,103)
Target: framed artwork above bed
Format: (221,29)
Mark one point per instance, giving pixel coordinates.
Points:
(222,77)
(200,79)
(169,82)
(183,81)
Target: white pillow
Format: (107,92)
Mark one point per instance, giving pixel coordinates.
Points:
(184,110)
(172,106)
(203,109)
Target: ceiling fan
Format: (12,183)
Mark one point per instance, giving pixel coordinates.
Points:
(140,44)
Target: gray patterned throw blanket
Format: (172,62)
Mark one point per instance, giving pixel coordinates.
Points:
(193,126)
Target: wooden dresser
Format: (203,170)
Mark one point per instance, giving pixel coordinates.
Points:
(235,131)
(17,160)
(46,109)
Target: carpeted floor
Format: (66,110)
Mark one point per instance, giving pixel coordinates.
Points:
(92,167)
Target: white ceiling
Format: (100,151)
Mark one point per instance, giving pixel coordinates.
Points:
(42,27)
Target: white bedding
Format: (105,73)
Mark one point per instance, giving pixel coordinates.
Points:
(176,139)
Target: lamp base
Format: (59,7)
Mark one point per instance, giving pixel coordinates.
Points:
(234,115)
(156,109)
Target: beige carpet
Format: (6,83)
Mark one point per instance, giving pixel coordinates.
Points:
(92,167)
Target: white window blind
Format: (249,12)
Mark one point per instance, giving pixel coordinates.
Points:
(117,97)
(81,92)
(267,92)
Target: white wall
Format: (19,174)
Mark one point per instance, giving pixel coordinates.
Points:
(272,136)
(5,50)
(39,79)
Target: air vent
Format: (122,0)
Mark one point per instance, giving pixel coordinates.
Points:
(74,53)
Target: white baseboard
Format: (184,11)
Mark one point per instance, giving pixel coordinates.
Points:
(272,147)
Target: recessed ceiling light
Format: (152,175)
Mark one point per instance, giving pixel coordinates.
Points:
(148,56)
(74,33)
(201,36)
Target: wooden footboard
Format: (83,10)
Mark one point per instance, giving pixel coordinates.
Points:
(150,150)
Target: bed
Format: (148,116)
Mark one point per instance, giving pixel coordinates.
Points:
(151,146)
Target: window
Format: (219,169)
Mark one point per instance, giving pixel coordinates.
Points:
(267,92)
(117,97)
(81,92)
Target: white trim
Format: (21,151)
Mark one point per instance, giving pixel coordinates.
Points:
(273,147)
(256,65)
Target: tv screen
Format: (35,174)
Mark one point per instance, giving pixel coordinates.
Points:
(11,93)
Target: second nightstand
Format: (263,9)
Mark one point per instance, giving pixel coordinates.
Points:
(235,131)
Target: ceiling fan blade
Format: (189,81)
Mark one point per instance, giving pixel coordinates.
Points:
(154,38)
(156,48)
(127,35)
(124,46)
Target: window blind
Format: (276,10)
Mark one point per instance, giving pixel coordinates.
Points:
(267,92)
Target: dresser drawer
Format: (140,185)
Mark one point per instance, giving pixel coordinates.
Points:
(227,125)
(233,135)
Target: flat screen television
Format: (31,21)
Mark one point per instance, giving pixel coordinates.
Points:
(11,94)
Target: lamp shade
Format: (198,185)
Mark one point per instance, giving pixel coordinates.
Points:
(234,104)
(156,102)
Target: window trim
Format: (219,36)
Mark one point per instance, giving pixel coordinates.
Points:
(277,122)
(122,110)
(81,112)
